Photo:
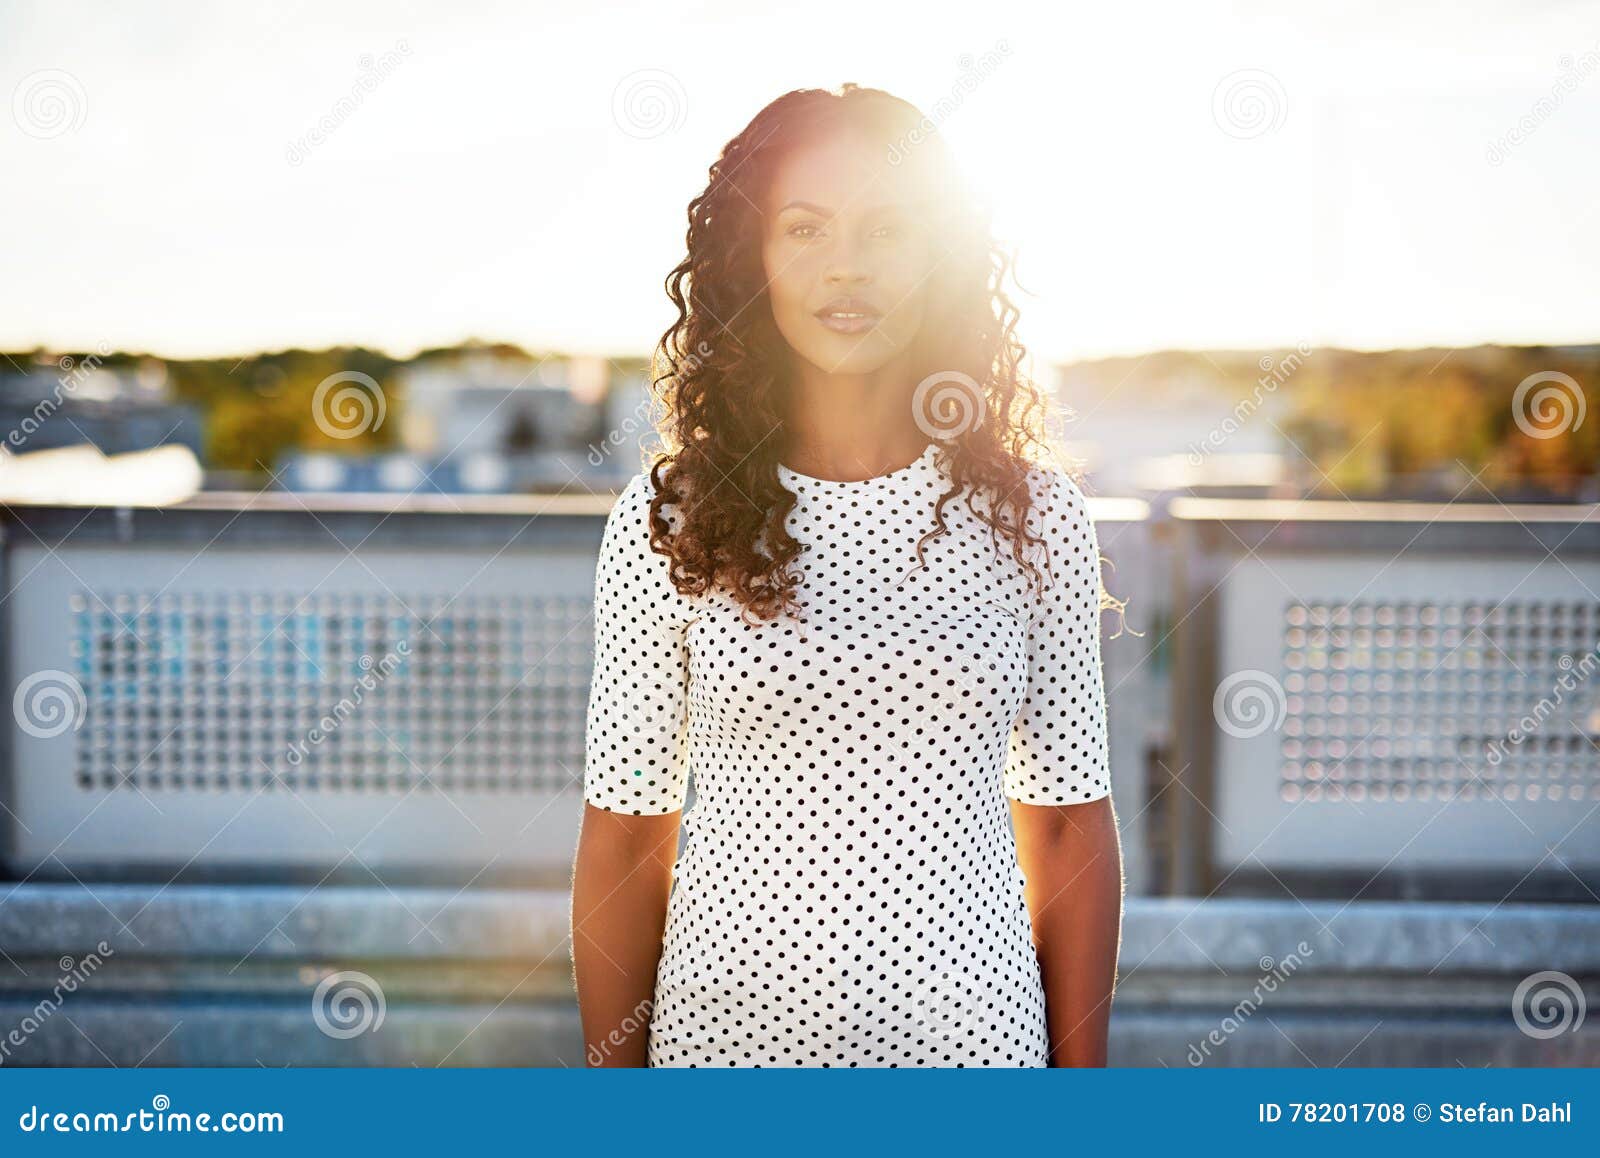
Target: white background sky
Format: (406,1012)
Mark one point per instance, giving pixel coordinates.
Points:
(486,188)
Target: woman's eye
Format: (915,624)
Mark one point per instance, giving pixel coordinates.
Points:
(799,229)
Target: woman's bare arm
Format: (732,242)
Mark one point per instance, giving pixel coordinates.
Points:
(1072,858)
(620,885)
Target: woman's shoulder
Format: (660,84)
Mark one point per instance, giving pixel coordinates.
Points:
(628,548)
(1058,507)
(1059,517)
(633,503)
(1059,498)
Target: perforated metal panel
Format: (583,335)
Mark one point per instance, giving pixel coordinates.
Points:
(1440,699)
(355,691)
(1376,711)
(297,707)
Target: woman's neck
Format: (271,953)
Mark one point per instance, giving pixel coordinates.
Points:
(852,426)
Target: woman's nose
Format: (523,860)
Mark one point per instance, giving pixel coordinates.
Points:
(847,268)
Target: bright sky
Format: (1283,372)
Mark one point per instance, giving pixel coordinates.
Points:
(493,184)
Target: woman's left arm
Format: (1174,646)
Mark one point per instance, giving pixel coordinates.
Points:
(1071,857)
(1058,781)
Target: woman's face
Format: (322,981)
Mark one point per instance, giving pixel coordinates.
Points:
(845,232)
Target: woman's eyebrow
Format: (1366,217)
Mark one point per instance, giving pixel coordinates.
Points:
(870,211)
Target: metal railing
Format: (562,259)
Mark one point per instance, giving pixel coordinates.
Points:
(273,686)
(1386,692)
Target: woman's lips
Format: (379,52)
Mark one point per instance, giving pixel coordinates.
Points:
(848,322)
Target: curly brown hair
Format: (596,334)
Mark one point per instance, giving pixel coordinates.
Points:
(723,382)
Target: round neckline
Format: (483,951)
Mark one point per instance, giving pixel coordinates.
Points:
(789,474)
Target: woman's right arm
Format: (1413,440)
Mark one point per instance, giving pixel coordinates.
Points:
(620,887)
(636,775)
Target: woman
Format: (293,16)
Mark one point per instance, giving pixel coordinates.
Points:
(811,604)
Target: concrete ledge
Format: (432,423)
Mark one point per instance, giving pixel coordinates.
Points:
(292,922)
(95,1032)
(1361,936)
(283,921)
(1280,1036)
(229,975)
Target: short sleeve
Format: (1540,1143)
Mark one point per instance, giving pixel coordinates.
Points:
(636,734)
(1058,750)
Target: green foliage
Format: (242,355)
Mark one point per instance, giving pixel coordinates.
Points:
(1433,421)
(259,407)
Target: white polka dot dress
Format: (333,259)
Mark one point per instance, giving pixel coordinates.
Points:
(849,893)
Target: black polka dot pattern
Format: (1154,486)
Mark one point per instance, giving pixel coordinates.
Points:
(849,893)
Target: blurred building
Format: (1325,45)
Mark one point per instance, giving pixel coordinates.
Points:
(66,403)
(496,421)
(1155,425)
